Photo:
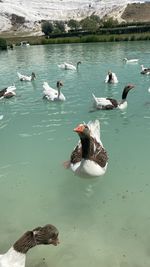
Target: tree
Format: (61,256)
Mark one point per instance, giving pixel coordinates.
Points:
(95,18)
(3,44)
(47,27)
(110,22)
(73,24)
(59,27)
(89,24)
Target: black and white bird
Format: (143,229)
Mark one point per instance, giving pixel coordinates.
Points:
(8,92)
(145,70)
(111,77)
(16,255)
(110,103)
(26,78)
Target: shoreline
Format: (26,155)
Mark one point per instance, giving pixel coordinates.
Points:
(42,40)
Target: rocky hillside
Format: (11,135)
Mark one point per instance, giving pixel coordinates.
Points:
(26,15)
(137,12)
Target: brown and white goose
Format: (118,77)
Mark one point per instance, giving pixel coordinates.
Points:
(89,157)
(8,92)
(110,103)
(16,255)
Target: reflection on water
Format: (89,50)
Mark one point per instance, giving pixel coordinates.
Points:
(102,221)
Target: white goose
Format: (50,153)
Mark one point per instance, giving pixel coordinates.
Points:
(26,78)
(68,66)
(53,94)
(111,77)
(134,60)
(8,92)
(110,103)
(16,255)
(89,158)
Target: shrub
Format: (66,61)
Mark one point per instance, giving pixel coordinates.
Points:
(3,44)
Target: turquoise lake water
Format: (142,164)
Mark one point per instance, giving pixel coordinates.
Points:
(102,221)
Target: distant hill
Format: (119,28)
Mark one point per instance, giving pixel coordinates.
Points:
(137,12)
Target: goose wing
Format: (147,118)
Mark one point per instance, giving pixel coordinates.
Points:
(49,92)
(94,127)
(24,77)
(101,101)
(76,155)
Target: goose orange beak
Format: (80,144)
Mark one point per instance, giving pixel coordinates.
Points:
(79,128)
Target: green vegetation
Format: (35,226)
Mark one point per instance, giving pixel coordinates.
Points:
(98,38)
(3,44)
(49,28)
(73,24)
(38,40)
(90,29)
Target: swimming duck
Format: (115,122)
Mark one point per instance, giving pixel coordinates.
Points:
(68,66)
(8,92)
(53,94)
(26,78)
(134,60)
(145,70)
(89,158)
(110,103)
(16,255)
(111,77)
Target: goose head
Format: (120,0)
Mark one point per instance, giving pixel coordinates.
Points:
(46,235)
(59,84)
(125,59)
(78,63)
(33,76)
(83,131)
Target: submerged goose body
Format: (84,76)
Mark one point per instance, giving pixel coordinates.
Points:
(53,94)
(16,255)
(8,92)
(89,158)
(110,103)
(134,60)
(26,78)
(111,78)
(68,66)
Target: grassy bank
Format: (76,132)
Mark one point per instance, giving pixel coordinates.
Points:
(38,40)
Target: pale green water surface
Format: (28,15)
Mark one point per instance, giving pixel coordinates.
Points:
(104,221)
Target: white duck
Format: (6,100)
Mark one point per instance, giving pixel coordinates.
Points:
(26,78)
(8,92)
(53,94)
(68,66)
(16,255)
(134,60)
(110,103)
(89,158)
(111,77)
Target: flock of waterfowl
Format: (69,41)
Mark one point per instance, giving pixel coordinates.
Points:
(89,157)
